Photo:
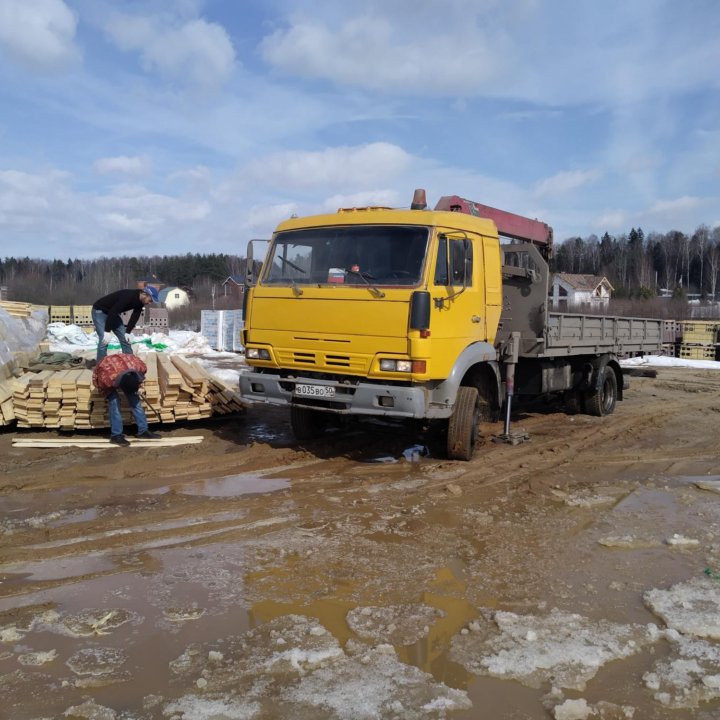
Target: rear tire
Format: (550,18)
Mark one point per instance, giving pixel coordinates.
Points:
(463,424)
(307,424)
(603,401)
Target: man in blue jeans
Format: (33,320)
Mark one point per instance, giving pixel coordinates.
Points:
(106,316)
(124,372)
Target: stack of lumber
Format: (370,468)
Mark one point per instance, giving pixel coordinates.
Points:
(17,309)
(7,412)
(175,389)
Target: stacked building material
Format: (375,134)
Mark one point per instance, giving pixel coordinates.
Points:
(7,411)
(17,309)
(61,313)
(175,389)
(699,340)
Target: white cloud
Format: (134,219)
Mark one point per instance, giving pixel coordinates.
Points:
(370,198)
(137,165)
(612,220)
(134,206)
(194,51)
(368,51)
(199,175)
(564,182)
(344,167)
(39,34)
(265,217)
(662,207)
(547,54)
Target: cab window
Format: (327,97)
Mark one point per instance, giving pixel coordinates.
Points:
(454,262)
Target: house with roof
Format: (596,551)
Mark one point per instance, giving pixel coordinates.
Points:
(569,290)
(234,288)
(173,297)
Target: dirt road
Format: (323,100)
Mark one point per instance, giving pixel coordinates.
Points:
(246,578)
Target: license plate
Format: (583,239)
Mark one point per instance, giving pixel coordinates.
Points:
(318,391)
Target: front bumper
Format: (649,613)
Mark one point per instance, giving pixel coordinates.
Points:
(352,396)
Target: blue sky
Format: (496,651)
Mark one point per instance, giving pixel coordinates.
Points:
(144,127)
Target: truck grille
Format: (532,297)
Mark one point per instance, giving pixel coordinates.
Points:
(319,361)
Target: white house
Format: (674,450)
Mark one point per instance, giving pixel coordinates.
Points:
(173,297)
(570,290)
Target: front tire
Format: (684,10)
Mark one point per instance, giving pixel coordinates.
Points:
(602,402)
(463,424)
(306,424)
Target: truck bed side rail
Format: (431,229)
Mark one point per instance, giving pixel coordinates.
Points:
(570,333)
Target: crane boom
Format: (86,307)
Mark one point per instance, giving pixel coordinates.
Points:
(508,224)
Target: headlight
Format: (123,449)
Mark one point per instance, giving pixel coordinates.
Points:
(403,366)
(257,354)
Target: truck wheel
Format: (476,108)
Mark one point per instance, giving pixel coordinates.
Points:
(463,424)
(306,424)
(603,401)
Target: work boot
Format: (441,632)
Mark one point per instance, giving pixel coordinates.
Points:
(149,435)
(120,440)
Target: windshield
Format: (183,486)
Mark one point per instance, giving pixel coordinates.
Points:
(348,255)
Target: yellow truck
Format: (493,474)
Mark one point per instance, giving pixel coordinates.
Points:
(423,314)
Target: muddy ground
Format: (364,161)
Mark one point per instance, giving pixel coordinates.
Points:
(248,578)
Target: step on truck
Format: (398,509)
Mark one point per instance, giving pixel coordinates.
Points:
(433,315)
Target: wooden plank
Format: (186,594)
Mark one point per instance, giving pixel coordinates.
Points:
(179,439)
(147,444)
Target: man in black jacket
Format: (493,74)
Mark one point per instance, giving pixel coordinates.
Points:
(106,316)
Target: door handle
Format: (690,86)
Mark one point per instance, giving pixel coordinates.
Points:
(475,319)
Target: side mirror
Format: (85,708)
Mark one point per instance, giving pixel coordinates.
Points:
(252,272)
(420,310)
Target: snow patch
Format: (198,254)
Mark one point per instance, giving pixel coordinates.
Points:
(690,677)
(692,608)
(563,648)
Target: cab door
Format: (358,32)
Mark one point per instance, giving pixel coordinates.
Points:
(457,287)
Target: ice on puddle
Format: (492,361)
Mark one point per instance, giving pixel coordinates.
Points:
(202,708)
(37,658)
(561,647)
(690,677)
(627,541)
(98,666)
(310,676)
(580,710)
(11,634)
(395,624)
(681,541)
(584,499)
(573,710)
(88,623)
(185,614)
(692,608)
(375,684)
(90,710)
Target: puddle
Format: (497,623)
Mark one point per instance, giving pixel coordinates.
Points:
(55,569)
(230,486)
(698,478)
(75,517)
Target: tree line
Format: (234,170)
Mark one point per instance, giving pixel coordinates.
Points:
(640,266)
(81,282)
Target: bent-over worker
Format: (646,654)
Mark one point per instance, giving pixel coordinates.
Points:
(123,372)
(106,315)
